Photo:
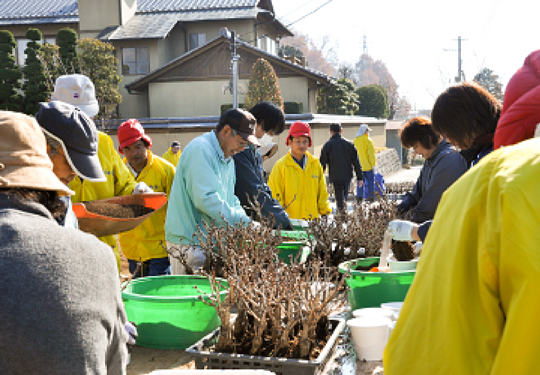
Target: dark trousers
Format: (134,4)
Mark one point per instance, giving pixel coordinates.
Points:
(151,267)
(341,191)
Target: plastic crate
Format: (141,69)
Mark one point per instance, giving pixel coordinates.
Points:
(205,359)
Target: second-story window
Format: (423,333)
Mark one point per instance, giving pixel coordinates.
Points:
(135,60)
(196,40)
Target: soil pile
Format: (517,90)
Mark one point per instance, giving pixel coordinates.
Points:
(117,211)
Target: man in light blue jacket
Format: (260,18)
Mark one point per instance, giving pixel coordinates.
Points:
(203,187)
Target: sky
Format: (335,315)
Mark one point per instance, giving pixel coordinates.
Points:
(418,39)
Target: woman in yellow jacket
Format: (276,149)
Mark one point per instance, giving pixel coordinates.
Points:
(297,180)
(366,153)
(172,155)
(145,246)
(473,306)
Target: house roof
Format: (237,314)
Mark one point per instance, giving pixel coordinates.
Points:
(165,13)
(141,84)
(159,25)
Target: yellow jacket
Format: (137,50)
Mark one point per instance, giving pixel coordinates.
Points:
(147,241)
(120,181)
(172,158)
(287,181)
(473,306)
(366,152)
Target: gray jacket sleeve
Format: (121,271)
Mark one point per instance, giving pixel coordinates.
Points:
(431,185)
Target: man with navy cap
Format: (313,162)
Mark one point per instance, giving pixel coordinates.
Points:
(72,146)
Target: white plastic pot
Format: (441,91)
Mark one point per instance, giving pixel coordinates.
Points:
(370,335)
(401,265)
(395,307)
(373,311)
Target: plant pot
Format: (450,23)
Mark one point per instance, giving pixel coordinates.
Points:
(205,359)
(401,265)
(168,311)
(370,289)
(294,249)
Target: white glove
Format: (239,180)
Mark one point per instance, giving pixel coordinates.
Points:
(142,188)
(401,230)
(132,333)
(254,225)
(418,248)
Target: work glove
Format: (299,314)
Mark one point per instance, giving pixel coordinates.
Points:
(418,248)
(401,230)
(142,188)
(254,225)
(132,333)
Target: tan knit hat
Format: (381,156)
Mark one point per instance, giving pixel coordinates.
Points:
(24,162)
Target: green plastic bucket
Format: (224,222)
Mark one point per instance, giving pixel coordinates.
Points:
(370,289)
(293,249)
(168,311)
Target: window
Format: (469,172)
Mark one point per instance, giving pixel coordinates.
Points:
(196,40)
(135,60)
(22,43)
(267,44)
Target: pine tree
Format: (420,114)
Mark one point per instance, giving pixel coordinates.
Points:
(67,41)
(35,87)
(263,85)
(10,74)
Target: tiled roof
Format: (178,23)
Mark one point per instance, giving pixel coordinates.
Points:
(14,9)
(147,6)
(158,25)
(40,9)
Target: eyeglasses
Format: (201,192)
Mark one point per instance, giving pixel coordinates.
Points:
(243,143)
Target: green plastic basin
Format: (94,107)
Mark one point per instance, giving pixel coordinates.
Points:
(370,289)
(168,311)
(293,249)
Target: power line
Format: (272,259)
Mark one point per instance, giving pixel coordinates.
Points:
(290,24)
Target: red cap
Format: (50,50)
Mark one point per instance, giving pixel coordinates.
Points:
(130,132)
(299,129)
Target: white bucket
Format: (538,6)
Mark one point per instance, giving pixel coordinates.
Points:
(373,311)
(395,307)
(401,265)
(370,335)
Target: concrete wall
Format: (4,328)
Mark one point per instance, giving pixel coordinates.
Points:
(204,98)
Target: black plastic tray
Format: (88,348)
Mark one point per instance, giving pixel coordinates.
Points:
(205,359)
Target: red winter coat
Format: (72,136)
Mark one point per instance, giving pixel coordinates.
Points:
(521,107)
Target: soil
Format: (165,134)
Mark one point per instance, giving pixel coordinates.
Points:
(368,267)
(118,211)
(403,250)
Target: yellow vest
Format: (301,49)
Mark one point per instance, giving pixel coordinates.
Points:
(366,152)
(302,193)
(147,241)
(119,182)
(473,306)
(172,158)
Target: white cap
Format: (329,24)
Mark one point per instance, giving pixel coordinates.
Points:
(362,130)
(77,90)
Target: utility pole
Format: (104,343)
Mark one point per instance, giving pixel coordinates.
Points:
(233,84)
(460,74)
(364,52)
(234,59)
